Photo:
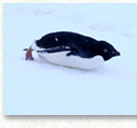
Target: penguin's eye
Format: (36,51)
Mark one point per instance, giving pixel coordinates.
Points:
(105,50)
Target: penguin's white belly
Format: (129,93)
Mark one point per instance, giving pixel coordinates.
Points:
(60,58)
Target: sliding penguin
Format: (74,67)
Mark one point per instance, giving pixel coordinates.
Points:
(72,50)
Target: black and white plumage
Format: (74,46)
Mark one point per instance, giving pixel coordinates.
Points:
(73,50)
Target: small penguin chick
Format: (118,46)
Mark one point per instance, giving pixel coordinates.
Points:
(28,54)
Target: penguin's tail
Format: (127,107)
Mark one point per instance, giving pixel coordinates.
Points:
(26,49)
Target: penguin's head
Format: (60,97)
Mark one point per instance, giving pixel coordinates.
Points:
(107,51)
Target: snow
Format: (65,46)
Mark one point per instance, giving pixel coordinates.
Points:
(39,88)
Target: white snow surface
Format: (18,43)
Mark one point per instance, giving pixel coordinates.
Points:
(36,87)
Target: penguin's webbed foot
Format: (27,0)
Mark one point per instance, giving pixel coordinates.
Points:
(29,54)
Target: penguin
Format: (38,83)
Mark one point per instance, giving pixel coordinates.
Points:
(72,49)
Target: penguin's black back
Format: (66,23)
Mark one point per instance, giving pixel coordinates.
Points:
(80,45)
(64,38)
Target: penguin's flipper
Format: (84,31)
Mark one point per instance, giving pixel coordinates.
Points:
(54,50)
(69,54)
(72,52)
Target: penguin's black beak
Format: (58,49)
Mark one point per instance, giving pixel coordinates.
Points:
(117,53)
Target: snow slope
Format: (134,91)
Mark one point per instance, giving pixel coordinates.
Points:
(39,88)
